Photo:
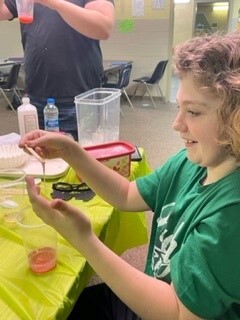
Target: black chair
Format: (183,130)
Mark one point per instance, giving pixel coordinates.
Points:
(123,81)
(10,85)
(3,76)
(153,80)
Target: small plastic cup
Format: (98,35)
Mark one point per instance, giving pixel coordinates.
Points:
(12,194)
(25,10)
(39,240)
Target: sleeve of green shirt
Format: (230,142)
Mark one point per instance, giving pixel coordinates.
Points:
(205,271)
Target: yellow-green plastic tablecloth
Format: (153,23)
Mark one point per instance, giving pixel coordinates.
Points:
(27,296)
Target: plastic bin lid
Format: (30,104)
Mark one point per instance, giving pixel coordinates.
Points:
(110,150)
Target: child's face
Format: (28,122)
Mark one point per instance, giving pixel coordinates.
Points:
(197,124)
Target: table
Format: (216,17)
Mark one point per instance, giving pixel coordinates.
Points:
(108,65)
(10,61)
(24,295)
(112,69)
(112,66)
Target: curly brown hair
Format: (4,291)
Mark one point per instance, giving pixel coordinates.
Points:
(214,63)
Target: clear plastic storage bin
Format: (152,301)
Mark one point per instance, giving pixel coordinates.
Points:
(98,113)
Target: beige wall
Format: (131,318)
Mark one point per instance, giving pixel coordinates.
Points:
(124,10)
(183,23)
(147,44)
(10,39)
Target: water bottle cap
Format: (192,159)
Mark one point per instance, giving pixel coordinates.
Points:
(25,100)
(51,100)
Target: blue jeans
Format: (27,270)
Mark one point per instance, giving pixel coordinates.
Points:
(67,115)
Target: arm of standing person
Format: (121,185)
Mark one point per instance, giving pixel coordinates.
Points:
(148,297)
(95,20)
(5,14)
(108,184)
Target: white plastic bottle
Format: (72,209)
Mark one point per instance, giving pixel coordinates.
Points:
(51,122)
(27,117)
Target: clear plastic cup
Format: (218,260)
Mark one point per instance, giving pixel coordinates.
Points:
(39,240)
(25,10)
(13,195)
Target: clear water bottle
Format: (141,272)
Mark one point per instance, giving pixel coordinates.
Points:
(27,117)
(51,122)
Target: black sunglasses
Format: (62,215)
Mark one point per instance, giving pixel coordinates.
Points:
(68,187)
(67,191)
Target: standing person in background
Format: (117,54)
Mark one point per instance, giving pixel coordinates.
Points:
(192,269)
(62,54)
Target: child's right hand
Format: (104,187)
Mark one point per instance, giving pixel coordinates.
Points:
(48,145)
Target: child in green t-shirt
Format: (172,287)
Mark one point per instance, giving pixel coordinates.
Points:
(193,264)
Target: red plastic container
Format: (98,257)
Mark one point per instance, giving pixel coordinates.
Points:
(115,155)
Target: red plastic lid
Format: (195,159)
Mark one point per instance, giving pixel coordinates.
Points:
(110,150)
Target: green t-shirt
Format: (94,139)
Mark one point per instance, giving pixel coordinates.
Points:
(195,238)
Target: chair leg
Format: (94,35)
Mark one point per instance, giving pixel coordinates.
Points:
(144,90)
(141,85)
(162,96)
(135,91)
(8,101)
(149,93)
(129,101)
(17,94)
